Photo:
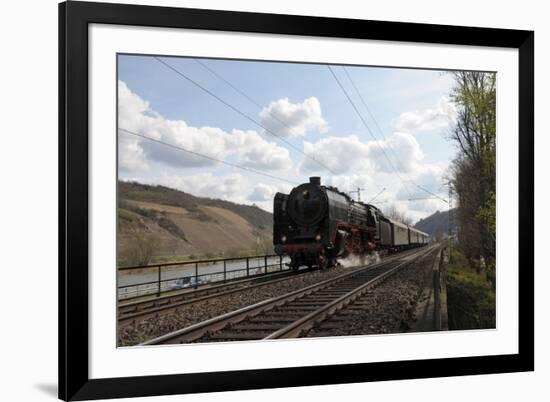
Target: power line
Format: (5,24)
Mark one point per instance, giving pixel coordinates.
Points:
(408,200)
(250,99)
(435,195)
(383,136)
(422,199)
(246,116)
(376,196)
(253,101)
(207,157)
(367,126)
(375,123)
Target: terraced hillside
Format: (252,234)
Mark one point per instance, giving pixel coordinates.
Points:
(157,223)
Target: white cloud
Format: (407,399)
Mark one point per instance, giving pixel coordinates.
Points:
(131,156)
(350,154)
(441,116)
(248,147)
(401,148)
(256,152)
(430,177)
(340,154)
(266,192)
(356,162)
(293,119)
(362,164)
(262,192)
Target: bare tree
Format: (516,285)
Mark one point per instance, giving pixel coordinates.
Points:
(393,213)
(139,248)
(263,243)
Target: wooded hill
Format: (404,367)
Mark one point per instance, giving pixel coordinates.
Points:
(435,224)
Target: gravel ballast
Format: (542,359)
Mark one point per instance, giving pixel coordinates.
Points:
(140,331)
(388,308)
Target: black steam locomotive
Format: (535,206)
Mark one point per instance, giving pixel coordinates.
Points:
(315,225)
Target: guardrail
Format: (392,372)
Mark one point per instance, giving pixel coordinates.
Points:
(160,278)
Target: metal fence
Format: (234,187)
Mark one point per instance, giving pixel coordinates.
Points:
(158,278)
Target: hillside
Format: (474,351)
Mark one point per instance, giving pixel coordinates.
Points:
(157,223)
(435,223)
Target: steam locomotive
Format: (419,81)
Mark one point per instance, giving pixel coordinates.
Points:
(316,225)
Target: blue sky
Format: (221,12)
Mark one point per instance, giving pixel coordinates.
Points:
(301,103)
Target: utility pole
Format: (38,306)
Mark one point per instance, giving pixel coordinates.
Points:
(450,231)
(358,191)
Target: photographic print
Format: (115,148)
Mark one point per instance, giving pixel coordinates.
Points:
(258,200)
(262,200)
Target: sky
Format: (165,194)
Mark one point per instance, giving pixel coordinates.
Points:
(244,130)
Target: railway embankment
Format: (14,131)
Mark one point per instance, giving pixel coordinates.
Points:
(142,330)
(431,311)
(470,295)
(391,307)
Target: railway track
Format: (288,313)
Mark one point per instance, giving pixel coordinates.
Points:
(292,314)
(128,312)
(139,310)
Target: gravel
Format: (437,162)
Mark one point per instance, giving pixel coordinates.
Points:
(390,307)
(140,331)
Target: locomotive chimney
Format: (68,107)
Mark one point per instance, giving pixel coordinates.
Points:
(315,180)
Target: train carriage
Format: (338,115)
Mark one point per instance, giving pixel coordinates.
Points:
(400,234)
(385,233)
(414,237)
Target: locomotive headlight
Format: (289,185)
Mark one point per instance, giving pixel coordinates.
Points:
(318,237)
(283,238)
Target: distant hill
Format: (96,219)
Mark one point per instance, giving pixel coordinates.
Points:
(160,223)
(435,223)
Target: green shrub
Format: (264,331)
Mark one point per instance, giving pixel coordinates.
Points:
(470,296)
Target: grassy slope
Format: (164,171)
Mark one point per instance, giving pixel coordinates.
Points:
(470,296)
(167,196)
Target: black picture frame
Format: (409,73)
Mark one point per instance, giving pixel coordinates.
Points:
(74,18)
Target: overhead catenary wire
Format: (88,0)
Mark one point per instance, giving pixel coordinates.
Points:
(390,146)
(375,123)
(246,116)
(434,195)
(422,199)
(255,103)
(376,196)
(383,136)
(367,126)
(207,156)
(219,76)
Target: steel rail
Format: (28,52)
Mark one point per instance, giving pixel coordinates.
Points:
(199,330)
(175,295)
(129,312)
(196,331)
(142,310)
(295,329)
